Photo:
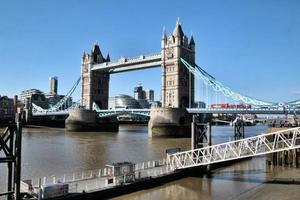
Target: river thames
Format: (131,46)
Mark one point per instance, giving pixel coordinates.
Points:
(54,151)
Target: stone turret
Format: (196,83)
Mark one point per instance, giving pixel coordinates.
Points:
(192,44)
(108,58)
(96,54)
(94,84)
(177,86)
(177,83)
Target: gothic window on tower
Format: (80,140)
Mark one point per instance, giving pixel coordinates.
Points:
(85,69)
(169,53)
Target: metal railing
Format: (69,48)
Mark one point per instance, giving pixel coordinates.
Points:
(97,179)
(253,146)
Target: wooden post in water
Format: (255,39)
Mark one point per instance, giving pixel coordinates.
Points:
(10,164)
(208,132)
(193,132)
(18,157)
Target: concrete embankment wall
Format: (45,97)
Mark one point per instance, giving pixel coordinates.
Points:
(285,158)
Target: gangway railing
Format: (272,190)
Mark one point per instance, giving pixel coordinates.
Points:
(266,143)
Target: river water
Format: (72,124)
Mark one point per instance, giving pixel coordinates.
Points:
(54,151)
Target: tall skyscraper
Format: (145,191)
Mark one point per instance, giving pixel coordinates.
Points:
(139,93)
(149,95)
(53,85)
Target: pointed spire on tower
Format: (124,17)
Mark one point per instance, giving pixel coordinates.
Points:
(192,42)
(164,36)
(178,30)
(108,58)
(96,53)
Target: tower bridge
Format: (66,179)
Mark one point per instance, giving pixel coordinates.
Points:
(177,83)
(178,75)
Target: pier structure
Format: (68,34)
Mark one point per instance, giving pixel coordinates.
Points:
(10,154)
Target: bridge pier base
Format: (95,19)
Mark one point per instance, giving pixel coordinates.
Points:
(86,120)
(169,122)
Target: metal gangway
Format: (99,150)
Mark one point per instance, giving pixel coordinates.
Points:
(265,143)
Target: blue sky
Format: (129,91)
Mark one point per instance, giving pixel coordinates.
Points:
(251,46)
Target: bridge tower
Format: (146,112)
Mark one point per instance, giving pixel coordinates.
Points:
(94,84)
(177,83)
(177,87)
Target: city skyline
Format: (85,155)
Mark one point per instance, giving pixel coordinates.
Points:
(53,84)
(231,38)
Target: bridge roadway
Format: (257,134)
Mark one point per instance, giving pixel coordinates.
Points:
(270,111)
(146,112)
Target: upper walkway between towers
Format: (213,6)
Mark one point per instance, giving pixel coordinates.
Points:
(130,63)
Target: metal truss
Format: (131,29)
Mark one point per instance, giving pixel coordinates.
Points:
(10,154)
(253,146)
(115,112)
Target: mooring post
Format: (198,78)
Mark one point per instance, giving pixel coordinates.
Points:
(18,157)
(193,129)
(40,182)
(10,185)
(243,130)
(208,132)
(234,131)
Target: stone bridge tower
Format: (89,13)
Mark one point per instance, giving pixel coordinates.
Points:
(177,86)
(94,84)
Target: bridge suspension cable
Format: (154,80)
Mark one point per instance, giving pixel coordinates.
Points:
(219,87)
(253,146)
(59,104)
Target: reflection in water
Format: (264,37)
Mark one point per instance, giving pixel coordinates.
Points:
(53,151)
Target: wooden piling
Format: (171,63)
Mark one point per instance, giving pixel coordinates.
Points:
(288,158)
